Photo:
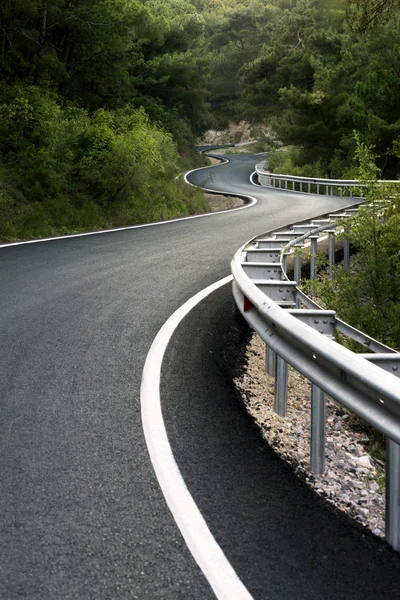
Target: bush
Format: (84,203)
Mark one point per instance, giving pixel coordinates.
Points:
(71,171)
(368,295)
(290,161)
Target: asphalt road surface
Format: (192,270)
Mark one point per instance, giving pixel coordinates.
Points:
(82,514)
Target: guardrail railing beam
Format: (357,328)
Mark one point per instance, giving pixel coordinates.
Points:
(388,362)
(266,244)
(330,187)
(371,393)
(320,222)
(273,255)
(363,339)
(286,236)
(281,292)
(267,271)
(323,321)
(302,228)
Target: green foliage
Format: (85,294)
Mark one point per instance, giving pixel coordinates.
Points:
(292,160)
(368,295)
(299,67)
(7,228)
(66,170)
(96,100)
(95,96)
(368,14)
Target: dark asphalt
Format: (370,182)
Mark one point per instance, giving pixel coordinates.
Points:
(81,513)
(282,540)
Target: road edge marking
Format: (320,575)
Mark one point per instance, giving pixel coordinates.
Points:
(224,161)
(252,202)
(202,545)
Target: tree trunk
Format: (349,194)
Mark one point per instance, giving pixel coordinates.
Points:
(67,52)
(42,41)
(4,16)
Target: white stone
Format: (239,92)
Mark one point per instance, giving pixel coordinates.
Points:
(364,461)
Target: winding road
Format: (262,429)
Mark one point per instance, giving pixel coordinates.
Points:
(82,513)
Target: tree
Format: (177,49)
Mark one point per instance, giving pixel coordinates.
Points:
(368,295)
(369,14)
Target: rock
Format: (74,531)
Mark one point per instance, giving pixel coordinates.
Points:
(348,482)
(377,500)
(365,471)
(359,450)
(364,461)
(378,532)
(363,513)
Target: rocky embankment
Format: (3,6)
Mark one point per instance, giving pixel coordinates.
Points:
(217,203)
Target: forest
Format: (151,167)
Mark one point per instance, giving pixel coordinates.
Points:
(101,101)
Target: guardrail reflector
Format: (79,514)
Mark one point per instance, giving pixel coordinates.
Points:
(247,304)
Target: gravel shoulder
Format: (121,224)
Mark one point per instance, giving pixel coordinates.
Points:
(217,203)
(353,480)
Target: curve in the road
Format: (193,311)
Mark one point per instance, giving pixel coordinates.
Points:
(250,200)
(203,546)
(250,203)
(82,512)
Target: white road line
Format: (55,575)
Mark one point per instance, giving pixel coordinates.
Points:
(205,550)
(225,161)
(211,214)
(252,179)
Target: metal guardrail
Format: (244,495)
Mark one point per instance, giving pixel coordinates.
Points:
(298,332)
(310,185)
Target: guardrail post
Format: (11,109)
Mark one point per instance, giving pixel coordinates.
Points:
(318,406)
(331,254)
(297,264)
(297,269)
(281,381)
(284,262)
(393,494)
(314,256)
(317,188)
(270,361)
(346,253)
